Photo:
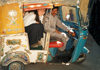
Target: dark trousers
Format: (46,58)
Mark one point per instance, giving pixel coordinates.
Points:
(35,32)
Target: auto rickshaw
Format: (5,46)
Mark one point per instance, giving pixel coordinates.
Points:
(15,51)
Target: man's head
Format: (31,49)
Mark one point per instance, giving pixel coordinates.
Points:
(54,11)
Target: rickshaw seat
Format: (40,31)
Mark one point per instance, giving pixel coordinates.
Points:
(56,44)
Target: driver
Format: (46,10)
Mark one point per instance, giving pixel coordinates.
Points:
(51,22)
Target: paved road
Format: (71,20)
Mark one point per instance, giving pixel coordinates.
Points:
(92,62)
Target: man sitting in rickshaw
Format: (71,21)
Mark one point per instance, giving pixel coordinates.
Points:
(51,21)
(33,27)
(41,14)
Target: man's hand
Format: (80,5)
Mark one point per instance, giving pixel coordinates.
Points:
(72,33)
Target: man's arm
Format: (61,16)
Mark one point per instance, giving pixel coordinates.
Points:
(64,27)
(46,23)
(61,25)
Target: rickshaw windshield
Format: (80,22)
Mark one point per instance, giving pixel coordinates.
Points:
(69,13)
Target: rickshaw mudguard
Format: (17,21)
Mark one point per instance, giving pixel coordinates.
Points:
(80,46)
(16,56)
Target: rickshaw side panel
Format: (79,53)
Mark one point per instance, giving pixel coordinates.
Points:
(16,46)
(12,20)
(14,42)
(13,47)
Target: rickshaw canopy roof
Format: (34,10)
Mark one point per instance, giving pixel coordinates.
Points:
(35,6)
(83,3)
(66,2)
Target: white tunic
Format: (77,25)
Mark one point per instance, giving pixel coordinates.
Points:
(29,19)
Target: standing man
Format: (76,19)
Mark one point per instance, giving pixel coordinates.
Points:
(51,21)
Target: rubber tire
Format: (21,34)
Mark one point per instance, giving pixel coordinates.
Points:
(21,65)
(81,59)
(4,67)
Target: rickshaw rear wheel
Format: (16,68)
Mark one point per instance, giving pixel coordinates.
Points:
(14,66)
(4,67)
(81,59)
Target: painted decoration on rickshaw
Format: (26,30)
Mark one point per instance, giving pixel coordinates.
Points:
(40,56)
(24,45)
(15,48)
(28,7)
(15,56)
(11,14)
(14,42)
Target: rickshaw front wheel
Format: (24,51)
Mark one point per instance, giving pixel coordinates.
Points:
(15,66)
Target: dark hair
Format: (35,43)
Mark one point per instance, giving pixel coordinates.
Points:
(37,16)
(54,7)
